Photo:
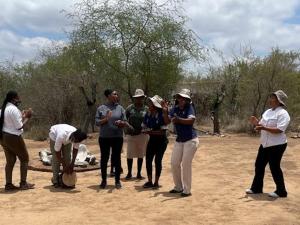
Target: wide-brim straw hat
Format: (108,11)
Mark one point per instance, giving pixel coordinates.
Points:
(156,100)
(139,93)
(185,93)
(281,96)
(69,179)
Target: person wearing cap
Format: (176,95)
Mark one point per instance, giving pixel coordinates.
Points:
(12,121)
(111,119)
(183,117)
(155,124)
(136,140)
(63,138)
(273,143)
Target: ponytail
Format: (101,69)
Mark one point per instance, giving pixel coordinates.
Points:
(9,97)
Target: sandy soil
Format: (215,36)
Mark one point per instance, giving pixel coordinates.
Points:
(222,169)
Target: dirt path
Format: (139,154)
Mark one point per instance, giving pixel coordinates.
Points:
(222,169)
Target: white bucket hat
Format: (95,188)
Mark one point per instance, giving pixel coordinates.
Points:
(69,179)
(156,100)
(139,93)
(185,93)
(281,96)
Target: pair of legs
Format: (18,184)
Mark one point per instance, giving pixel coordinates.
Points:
(14,146)
(181,164)
(66,155)
(115,144)
(156,148)
(136,148)
(139,168)
(273,156)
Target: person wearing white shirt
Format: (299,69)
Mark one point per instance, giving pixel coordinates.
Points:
(12,121)
(62,137)
(273,140)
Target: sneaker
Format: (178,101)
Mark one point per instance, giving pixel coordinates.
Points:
(185,195)
(56,185)
(112,174)
(103,184)
(249,192)
(174,191)
(273,195)
(276,195)
(155,186)
(118,185)
(10,187)
(26,186)
(128,177)
(148,184)
(140,177)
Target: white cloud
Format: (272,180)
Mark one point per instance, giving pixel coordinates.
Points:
(227,24)
(19,49)
(28,25)
(34,15)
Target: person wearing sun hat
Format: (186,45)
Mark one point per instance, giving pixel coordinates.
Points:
(155,124)
(273,143)
(183,117)
(136,140)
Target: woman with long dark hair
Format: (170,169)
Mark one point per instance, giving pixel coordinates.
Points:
(112,119)
(12,121)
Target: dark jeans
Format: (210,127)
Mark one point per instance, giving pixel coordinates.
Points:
(116,144)
(14,146)
(156,147)
(271,155)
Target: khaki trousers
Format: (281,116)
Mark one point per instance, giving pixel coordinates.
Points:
(181,164)
(14,146)
(66,155)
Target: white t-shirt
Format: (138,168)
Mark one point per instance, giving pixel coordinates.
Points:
(60,134)
(277,118)
(12,120)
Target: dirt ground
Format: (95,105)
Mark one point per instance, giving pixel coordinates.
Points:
(222,170)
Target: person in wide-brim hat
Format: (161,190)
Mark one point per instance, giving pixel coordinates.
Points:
(155,124)
(136,140)
(183,117)
(273,143)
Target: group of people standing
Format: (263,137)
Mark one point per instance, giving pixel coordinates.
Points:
(145,123)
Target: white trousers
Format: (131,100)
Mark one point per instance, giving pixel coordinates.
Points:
(181,164)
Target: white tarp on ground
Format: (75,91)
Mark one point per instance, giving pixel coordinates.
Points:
(83,158)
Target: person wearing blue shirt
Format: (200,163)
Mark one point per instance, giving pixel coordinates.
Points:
(183,117)
(155,124)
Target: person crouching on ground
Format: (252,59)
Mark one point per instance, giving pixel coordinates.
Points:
(12,121)
(155,124)
(62,138)
(136,140)
(273,141)
(183,117)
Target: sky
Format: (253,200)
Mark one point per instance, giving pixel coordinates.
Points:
(28,26)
